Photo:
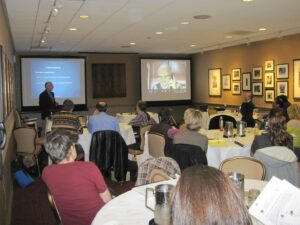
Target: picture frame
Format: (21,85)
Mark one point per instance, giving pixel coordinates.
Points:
(269,65)
(226,82)
(282,88)
(282,71)
(269,96)
(236,74)
(1,84)
(236,88)
(214,82)
(296,78)
(257,73)
(257,89)
(269,80)
(246,81)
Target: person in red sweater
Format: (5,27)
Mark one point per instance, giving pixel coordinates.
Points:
(78,188)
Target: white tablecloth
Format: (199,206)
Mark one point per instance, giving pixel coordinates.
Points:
(222,148)
(129,208)
(85,138)
(126,117)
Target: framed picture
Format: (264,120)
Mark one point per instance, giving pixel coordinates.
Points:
(246,81)
(1,84)
(269,80)
(296,78)
(269,65)
(214,82)
(282,71)
(226,83)
(282,88)
(257,73)
(236,74)
(236,88)
(257,88)
(270,96)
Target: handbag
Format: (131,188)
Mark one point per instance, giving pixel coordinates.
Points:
(23,178)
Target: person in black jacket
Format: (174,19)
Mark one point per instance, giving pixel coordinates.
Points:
(247,110)
(47,103)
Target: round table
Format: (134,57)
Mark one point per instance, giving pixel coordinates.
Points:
(129,208)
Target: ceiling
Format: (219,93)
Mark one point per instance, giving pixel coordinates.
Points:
(114,24)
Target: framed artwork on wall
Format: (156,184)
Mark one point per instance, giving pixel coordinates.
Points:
(236,88)
(269,65)
(270,96)
(226,82)
(282,88)
(296,78)
(246,81)
(269,80)
(236,74)
(214,82)
(257,73)
(257,88)
(282,71)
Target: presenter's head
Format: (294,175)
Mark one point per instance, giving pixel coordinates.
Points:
(248,97)
(165,76)
(49,86)
(101,106)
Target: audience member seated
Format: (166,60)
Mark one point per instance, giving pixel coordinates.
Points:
(78,188)
(293,127)
(204,195)
(191,136)
(101,120)
(282,102)
(247,110)
(142,118)
(277,134)
(166,122)
(66,119)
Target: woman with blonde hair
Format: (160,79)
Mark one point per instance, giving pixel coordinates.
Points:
(293,127)
(204,195)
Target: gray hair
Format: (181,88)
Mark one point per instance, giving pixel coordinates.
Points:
(58,145)
(68,105)
(192,119)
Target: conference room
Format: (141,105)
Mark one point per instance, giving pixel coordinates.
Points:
(142,95)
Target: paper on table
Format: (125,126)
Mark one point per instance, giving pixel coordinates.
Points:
(218,143)
(277,204)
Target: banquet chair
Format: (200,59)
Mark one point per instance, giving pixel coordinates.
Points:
(156,143)
(109,152)
(279,161)
(249,167)
(24,122)
(25,140)
(143,130)
(157,169)
(214,121)
(188,155)
(82,121)
(54,209)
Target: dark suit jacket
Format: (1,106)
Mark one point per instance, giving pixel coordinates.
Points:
(46,104)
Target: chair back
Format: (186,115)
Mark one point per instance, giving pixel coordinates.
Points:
(109,152)
(281,162)
(18,121)
(54,209)
(143,130)
(188,155)
(214,121)
(156,143)
(82,121)
(249,167)
(157,169)
(25,139)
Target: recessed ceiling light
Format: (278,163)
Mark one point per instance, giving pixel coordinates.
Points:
(72,29)
(262,29)
(159,32)
(83,16)
(185,23)
(228,36)
(247,0)
(192,46)
(132,43)
(202,17)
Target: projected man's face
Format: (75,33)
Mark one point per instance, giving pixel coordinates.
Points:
(165,76)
